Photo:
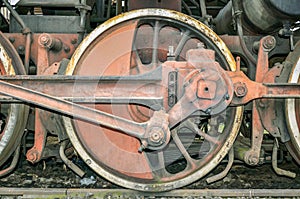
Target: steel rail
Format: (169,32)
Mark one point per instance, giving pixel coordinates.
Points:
(126,193)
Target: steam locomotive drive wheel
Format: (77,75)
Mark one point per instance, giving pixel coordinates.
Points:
(13,117)
(134,43)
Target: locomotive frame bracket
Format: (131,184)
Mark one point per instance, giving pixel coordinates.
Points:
(252,156)
(267,44)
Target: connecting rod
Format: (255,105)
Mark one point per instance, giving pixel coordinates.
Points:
(73,110)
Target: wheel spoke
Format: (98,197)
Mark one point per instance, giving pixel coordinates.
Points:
(162,172)
(182,42)
(140,67)
(198,131)
(161,160)
(157,164)
(186,155)
(207,137)
(155,43)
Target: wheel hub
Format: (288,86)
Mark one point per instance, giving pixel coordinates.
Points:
(157,134)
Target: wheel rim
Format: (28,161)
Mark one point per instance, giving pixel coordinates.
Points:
(293,105)
(117,158)
(15,115)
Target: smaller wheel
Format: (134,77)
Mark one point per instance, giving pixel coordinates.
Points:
(13,118)
(293,105)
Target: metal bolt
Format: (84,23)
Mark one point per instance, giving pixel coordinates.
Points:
(227,97)
(21,48)
(45,40)
(32,156)
(88,161)
(32,69)
(143,146)
(12,39)
(74,41)
(66,49)
(49,42)
(156,135)
(253,160)
(269,42)
(263,103)
(255,46)
(240,89)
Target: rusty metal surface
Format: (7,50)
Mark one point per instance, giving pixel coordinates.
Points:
(71,109)
(262,90)
(129,174)
(35,153)
(45,58)
(90,89)
(51,85)
(127,86)
(266,107)
(207,87)
(253,154)
(149,110)
(81,113)
(200,89)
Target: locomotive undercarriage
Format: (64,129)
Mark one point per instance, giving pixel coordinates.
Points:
(151,99)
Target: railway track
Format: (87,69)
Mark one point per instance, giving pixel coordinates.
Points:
(236,185)
(125,193)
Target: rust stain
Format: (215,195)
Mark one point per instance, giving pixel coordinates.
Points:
(6,62)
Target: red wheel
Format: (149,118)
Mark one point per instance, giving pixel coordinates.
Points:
(135,43)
